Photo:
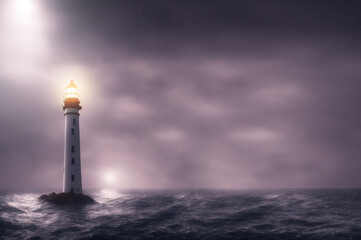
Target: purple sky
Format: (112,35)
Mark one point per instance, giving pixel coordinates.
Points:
(178,94)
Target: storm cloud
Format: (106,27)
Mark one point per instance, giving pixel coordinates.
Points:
(178,94)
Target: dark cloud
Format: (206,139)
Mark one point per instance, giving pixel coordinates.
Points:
(170,28)
(195,94)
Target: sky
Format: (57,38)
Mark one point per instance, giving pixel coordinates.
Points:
(183,94)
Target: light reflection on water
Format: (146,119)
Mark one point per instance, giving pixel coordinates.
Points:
(105,195)
(28,208)
(108,199)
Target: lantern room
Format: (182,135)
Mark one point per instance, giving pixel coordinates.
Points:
(71,91)
(71,98)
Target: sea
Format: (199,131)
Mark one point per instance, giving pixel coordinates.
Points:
(186,214)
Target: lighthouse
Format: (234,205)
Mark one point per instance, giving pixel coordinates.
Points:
(72,166)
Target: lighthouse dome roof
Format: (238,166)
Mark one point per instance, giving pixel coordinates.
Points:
(71,85)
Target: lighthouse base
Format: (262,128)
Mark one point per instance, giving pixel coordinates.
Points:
(66,199)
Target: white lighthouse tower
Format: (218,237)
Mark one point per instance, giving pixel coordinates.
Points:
(72,166)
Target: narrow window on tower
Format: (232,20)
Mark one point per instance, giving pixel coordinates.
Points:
(72,178)
(72,148)
(72,131)
(72,161)
(74,121)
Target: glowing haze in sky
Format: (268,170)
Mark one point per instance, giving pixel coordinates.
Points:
(178,94)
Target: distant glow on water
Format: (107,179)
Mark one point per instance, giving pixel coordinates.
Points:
(110,177)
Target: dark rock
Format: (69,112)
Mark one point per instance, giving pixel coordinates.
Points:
(66,198)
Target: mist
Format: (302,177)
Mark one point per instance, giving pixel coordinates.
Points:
(183,94)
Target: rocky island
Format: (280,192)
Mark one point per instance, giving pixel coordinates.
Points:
(66,198)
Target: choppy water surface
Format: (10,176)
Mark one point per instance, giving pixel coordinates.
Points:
(187,214)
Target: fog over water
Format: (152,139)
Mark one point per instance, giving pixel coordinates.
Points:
(183,94)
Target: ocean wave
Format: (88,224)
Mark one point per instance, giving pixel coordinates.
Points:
(193,214)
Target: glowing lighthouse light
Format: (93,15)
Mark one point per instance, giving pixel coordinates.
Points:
(71,91)
(72,168)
